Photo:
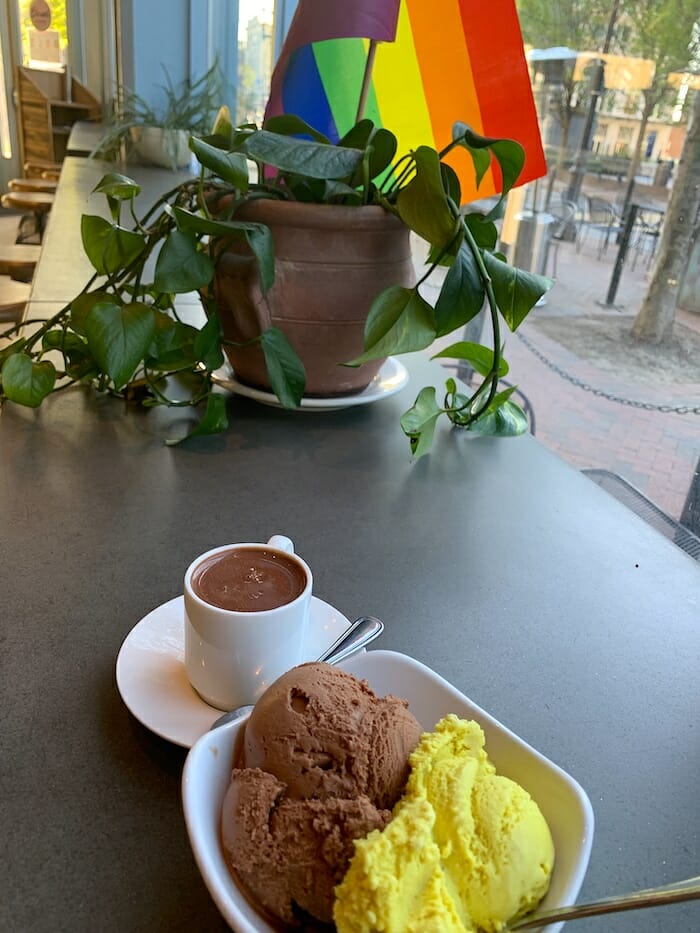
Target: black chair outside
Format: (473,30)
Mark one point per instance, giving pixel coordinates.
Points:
(604,218)
(647,233)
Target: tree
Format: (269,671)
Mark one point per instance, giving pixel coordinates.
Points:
(654,322)
(577,24)
(663,31)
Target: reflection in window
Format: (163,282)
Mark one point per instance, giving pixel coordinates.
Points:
(46,48)
(255,58)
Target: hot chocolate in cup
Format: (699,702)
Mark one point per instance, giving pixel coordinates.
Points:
(246,615)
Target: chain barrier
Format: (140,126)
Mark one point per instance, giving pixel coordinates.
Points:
(601,393)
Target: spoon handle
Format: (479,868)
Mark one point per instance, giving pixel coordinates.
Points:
(687,890)
(359,633)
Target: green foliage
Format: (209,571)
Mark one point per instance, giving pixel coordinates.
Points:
(122,333)
(189,106)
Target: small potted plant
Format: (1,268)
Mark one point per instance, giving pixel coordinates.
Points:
(159,134)
(122,333)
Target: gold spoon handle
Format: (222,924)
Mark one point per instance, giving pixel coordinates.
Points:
(687,890)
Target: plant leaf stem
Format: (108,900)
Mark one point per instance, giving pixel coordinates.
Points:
(491,379)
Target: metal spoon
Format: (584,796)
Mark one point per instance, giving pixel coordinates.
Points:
(687,890)
(360,633)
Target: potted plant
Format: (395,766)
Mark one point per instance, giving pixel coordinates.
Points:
(122,333)
(160,134)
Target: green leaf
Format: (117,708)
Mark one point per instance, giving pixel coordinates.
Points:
(379,144)
(462,294)
(119,337)
(26,382)
(257,236)
(358,136)
(181,266)
(12,348)
(207,344)
(339,189)
(109,247)
(516,291)
(222,129)
(399,321)
(423,204)
(260,241)
(478,356)
(509,154)
(288,124)
(172,346)
(285,369)
(63,340)
(384,146)
(508,420)
(317,160)
(214,421)
(76,353)
(81,306)
(450,182)
(232,167)
(483,230)
(418,423)
(116,185)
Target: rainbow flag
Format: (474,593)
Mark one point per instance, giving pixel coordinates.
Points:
(450,60)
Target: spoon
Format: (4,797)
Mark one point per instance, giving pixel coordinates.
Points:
(360,633)
(687,890)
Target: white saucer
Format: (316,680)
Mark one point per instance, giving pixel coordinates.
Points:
(390,379)
(151,671)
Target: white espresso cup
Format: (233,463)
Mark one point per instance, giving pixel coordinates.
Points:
(246,615)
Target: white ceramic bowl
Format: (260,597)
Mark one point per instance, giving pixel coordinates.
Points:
(562,800)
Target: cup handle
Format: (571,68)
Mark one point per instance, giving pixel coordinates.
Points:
(282,543)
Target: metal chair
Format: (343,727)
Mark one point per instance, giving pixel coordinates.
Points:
(647,233)
(635,500)
(564,227)
(603,217)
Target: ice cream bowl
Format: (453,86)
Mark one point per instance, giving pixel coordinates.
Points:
(563,802)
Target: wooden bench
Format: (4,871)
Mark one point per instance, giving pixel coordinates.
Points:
(13,300)
(39,169)
(38,202)
(19,261)
(33,184)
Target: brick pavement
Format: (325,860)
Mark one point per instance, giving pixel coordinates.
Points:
(657,452)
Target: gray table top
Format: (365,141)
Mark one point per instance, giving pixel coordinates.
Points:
(83,138)
(501,567)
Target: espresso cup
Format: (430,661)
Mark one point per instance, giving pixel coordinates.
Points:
(246,615)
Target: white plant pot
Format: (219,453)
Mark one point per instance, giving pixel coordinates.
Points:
(157,146)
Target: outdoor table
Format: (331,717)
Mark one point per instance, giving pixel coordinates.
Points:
(492,561)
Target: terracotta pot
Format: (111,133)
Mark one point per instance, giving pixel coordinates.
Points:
(330,263)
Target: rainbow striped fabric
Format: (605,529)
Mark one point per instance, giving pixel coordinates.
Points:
(451,60)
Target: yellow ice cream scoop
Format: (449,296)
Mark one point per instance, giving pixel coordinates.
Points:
(466,849)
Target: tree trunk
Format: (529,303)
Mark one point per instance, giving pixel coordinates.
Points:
(654,322)
(643,122)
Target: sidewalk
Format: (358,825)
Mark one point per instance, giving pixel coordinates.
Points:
(657,452)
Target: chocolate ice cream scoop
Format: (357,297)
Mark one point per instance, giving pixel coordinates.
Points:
(290,854)
(324,760)
(324,733)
